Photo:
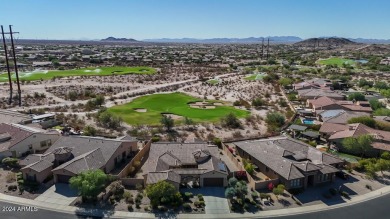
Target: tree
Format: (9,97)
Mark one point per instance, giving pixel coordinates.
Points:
(232,182)
(358,145)
(231,121)
(167,121)
(356,97)
(380,85)
(89,183)
(89,131)
(381,112)
(162,189)
(285,82)
(230,192)
(279,190)
(108,120)
(363,82)
(375,104)
(382,165)
(258,102)
(218,142)
(275,119)
(188,121)
(366,120)
(99,100)
(385,155)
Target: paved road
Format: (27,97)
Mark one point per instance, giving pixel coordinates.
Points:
(376,208)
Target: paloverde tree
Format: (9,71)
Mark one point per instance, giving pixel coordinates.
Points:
(359,145)
(167,122)
(163,192)
(231,121)
(89,183)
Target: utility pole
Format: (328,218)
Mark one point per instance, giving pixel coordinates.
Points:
(268,50)
(7,64)
(262,49)
(15,65)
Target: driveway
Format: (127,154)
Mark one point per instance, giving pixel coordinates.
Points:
(214,198)
(59,193)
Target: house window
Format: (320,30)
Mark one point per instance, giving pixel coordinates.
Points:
(267,169)
(49,142)
(43,144)
(295,183)
(30,146)
(324,177)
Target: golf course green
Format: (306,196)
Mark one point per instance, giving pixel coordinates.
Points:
(174,103)
(98,71)
(336,61)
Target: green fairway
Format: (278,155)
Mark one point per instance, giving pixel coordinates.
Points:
(255,77)
(174,103)
(100,71)
(336,61)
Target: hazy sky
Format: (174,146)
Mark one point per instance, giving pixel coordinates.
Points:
(143,19)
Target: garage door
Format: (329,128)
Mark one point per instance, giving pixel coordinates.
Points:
(63,179)
(213,182)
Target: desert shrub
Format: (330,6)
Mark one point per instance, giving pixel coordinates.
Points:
(162,208)
(333,191)
(130,207)
(199,204)
(10,162)
(187,206)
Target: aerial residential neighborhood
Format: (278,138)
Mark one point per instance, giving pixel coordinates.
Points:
(194,109)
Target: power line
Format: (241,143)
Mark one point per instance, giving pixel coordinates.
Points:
(15,63)
(7,65)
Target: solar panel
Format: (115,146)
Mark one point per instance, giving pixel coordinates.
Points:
(222,167)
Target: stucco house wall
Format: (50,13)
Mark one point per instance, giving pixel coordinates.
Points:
(32,144)
(40,176)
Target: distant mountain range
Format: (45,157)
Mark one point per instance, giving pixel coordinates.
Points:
(273,39)
(113,39)
(332,41)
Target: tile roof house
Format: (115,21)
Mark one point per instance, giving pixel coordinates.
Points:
(338,116)
(294,163)
(317,83)
(18,140)
(184,163)
(316,93)
(381,139)
(326,103)
(71,155)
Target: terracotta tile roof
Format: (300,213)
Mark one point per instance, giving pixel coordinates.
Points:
(271,152)
(329,128)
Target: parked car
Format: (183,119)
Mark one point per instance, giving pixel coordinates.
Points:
(342,175)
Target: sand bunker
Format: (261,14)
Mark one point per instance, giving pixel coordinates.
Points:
(202,106)
(173,116)
(141,110)
(95,71)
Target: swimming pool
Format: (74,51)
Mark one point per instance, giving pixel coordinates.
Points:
(308,121)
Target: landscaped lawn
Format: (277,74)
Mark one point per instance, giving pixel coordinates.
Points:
(174,103)
(337,61)
(100,71)
(255,77)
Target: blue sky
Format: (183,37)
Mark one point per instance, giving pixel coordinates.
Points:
(144,19)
